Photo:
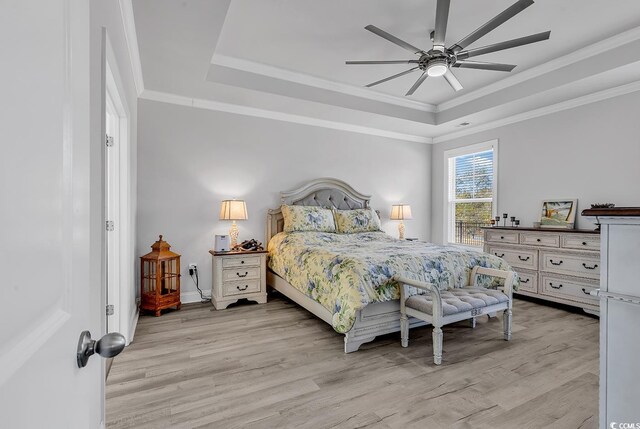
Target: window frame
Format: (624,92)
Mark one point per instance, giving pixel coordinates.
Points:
(449,155)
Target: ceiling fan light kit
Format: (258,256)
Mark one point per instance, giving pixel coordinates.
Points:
(437,67)
(439,60)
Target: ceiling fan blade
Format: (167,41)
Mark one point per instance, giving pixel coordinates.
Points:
(391,77)
(505,45)
(498,20)
(484,66)
(442,16)
(393,39)
(453,81)
(417,84)
(383,62)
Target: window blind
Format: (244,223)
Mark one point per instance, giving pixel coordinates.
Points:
(474,176)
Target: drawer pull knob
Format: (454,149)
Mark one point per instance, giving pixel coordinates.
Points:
(590,268)
(538,240)
(499,256)
(586,292)
(501,237)
(525,281)
(523,259)
(242,288)
(242,262)
(584,243)
(555,287)
(555,263)
(246,273)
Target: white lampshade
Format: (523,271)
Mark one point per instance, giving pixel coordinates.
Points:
(401,212)
(233,210)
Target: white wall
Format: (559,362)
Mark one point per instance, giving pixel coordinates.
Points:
(190,159)
(591,153)
(106,14)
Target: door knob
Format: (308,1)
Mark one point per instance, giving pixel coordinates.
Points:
(108,346)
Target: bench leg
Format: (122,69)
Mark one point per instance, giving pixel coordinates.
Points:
(472,322)
(404,330)
(506,320)
(437,345)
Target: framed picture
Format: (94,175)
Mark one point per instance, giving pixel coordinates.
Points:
(558,213)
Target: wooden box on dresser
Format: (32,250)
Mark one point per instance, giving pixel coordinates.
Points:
(238,275)
(558,265)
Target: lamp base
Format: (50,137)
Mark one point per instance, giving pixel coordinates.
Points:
(401,230)
(233,234)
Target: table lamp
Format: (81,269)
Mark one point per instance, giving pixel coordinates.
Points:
(401,212)
(233,210)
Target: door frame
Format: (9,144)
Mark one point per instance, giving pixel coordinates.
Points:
(126,311)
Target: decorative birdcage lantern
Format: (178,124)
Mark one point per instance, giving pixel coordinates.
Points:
(160,278)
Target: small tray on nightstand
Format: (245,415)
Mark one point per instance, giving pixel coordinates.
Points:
(238,275)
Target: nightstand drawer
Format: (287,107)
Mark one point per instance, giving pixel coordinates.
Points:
(540,239)
(577,265)
(586,242)
(240,273)
(517,257)
(502,237)
(241,287)
(240,261)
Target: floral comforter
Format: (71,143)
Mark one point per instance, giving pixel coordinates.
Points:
(345,272)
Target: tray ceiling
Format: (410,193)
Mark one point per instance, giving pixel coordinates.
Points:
(284,59)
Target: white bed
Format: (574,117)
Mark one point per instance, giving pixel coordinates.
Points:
(375,319)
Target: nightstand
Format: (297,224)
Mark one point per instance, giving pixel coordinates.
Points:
(238,275)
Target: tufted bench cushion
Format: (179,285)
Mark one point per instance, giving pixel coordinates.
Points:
(458,300)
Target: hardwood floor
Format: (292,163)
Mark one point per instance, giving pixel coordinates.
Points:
(276,366)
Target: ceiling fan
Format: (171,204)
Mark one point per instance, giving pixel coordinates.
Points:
(439,60)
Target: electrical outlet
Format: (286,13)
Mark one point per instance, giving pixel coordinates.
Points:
(193,266)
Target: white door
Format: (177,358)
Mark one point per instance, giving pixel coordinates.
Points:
(51,220)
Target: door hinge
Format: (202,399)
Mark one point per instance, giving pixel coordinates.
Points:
(110,225)
(109,141)
(110,310)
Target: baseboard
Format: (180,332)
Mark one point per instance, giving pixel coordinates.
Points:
(192,296)
(133,324)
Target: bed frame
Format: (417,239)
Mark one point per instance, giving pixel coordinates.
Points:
(375,319)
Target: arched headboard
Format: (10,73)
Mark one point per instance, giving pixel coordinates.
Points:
(325,192)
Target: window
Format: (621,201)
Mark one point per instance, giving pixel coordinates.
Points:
(471,192)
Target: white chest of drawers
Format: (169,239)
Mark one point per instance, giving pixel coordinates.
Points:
(238,275)
(556,265)
(619,315)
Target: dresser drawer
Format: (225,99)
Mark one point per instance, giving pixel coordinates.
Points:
(564,263)
(540,239)
(240,287)
(573,289)
(582,242)
(502,236)
(240,273)
(523,258)
(528,281)
(239,261)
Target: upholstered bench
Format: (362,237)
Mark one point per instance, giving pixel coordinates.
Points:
(443,307)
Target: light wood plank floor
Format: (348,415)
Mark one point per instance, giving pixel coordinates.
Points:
(277,366)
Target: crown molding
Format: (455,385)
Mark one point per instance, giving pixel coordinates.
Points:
(552,108)
(317,82)
(555,64)
(166,97)
(129,24)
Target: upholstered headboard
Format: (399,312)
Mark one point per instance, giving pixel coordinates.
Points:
(325,192)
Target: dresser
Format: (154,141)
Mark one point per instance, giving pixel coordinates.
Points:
(555,265)
(238,275)
(619,316)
